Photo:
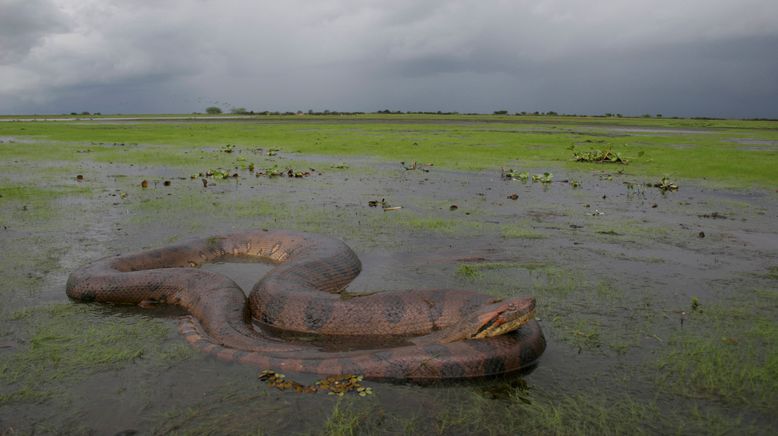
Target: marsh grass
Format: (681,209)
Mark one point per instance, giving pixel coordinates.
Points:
(347,418)
(468,271)
(66,342)
(217,413)
(532,412)
(727,352)
(20,203)
(520,231)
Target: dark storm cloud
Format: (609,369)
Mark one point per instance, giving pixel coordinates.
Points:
(677,58)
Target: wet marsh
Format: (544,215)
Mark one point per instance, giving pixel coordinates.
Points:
(659,307)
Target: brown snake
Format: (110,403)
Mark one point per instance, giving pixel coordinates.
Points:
(450,333)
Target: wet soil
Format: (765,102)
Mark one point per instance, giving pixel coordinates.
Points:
(620,270)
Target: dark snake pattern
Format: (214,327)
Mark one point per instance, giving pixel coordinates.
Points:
(302,294)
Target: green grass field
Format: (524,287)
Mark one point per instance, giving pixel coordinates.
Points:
(729,152)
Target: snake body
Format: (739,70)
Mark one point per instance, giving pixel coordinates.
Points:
(303,294)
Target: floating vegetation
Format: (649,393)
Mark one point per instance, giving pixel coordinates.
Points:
(599,156)
(334,385)
(542,178)
(417,166)
(510,174)
(384,205)
(229,148)
(273,171)
(665,185)
(298,174)
(216,174)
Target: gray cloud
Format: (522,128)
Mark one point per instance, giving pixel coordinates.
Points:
(24,24)
(679,58)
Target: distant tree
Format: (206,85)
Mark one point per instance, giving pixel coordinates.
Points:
(501,112)
(237,111)
(213,110)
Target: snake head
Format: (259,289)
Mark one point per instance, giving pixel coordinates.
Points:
(503,317)
(492,319)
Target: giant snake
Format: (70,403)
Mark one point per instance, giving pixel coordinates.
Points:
(447,334)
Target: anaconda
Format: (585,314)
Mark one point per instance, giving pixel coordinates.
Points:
(451,333)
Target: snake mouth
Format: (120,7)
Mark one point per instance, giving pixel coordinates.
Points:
(506,318)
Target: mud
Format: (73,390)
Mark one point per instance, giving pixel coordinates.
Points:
(615,266)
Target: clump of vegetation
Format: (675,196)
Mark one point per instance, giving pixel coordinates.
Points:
(469,272)
(334,385)
(511,174)
(213,110)
(606,155)
(291,172)
(384,205)
(542,178)
(665,185)
(216,174)
(273,171)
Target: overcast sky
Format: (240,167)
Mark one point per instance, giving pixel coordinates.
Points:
(675,57)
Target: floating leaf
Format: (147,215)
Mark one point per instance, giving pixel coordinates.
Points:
(334,385)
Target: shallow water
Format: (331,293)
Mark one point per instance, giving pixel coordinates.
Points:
(615,265)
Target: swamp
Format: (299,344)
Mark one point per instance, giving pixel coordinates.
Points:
(650,244)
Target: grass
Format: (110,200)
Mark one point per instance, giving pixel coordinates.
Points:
(518,231)
(482,142)
(346,419)
(66,342)
(727,352)
(30,201)
(529,412)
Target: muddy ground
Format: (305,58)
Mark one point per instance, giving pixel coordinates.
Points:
(659,307)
